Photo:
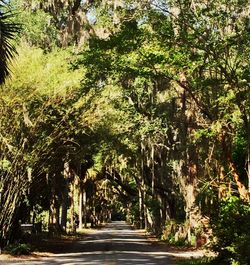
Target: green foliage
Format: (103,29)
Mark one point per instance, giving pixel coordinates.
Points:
(38,127)
(230,225)
(37,27)
(181,242)
(178,77)
(239,152)
(153,206)
(18,249)
(176,234)
(5,165)
(36,73)
(8,31)
(134,214)
(148,100)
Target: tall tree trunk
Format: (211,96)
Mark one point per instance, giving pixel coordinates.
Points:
(66,174)
(72,208)
(80,208)
(52,209)
(64,210)
(141,207)
(153,170)
(85,208)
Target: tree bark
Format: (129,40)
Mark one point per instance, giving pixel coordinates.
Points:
(85,208)
(141,208)
(66,174)
(80,208)
(72,208)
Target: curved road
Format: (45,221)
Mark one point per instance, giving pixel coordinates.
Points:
(116,244)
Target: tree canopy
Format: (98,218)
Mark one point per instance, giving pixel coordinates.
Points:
(136,109)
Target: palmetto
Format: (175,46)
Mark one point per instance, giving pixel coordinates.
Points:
(8,30)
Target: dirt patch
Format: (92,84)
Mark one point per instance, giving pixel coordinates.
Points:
(33,255)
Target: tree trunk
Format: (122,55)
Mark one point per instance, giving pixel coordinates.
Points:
(80,208)
(72,208)
(85,208)
(141,208)
(64,211)
(141,189)
(153,170)
(66,174)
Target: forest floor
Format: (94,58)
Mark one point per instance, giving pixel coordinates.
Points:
(115,243)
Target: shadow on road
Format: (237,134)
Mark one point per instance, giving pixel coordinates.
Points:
(115,244)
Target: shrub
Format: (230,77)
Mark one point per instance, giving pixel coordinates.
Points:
(231,228)
(176,234)
(19,249)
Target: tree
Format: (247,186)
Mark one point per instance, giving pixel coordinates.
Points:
(49,24)
(161,115)
(178,66)
(34,134)
(8,31)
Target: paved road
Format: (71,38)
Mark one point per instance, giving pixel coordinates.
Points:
(116,244)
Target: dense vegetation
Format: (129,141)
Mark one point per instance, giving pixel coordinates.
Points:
(127,109)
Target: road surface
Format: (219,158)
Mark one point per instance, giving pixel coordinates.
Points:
(116,244)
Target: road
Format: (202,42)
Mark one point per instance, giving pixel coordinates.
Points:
(116,244)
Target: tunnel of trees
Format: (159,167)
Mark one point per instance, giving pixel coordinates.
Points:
(137,110)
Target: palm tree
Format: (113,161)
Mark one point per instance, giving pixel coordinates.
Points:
(8,30)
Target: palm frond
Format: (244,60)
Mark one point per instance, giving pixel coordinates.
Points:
(8,31)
